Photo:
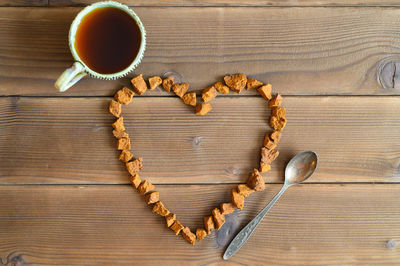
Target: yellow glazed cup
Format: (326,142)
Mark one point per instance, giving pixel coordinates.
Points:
(79,69)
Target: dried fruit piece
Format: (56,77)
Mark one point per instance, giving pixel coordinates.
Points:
(277,123)
(208,94)
(236,82)
(188,235)
(203,108)
(200,234)
(134,166)
(269,143)
(256,181)
(189,98)
(120,134)
(221,88)
(145,187)
(265,91)
(154,82)
(264,167)
(135,180)
(152,197)
(244,190)
(125,156)
(268,156)
(276,136)
(219,218)
(139,85)
(279,111)
(119,124)
(160,209)
(176,227)
(208,224)
(253,83)
(226,208)
(180,89)
(170,219)
(276,101)
(124,144)
(237,199)
(124,95)
(167,83)
(114,108)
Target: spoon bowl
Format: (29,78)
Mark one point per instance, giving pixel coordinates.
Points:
(300,167)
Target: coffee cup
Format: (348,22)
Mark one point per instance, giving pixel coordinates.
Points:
(107,41)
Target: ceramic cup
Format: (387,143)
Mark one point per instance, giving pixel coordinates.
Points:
(79,69)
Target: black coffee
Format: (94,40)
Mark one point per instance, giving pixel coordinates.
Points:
(107,40)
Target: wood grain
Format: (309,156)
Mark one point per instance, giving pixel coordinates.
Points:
(69,140)
(301,51)
(311,224)
(24,3)
(236,2)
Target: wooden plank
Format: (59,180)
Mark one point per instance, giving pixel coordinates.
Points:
(69,140)
(24,3)
(311,224)
(235,2)
(307,51)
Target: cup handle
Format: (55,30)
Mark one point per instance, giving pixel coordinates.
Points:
(70,76)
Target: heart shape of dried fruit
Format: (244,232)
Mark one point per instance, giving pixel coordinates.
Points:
(236,83)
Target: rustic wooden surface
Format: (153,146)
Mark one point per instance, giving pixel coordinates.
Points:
(65,197)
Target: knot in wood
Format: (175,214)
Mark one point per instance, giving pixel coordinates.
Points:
(389,74)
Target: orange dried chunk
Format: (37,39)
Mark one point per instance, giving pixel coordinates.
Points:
(145,187)
(135,180)
(170,219)
(265,91)
(221,88)
(226,208)
(264,167)
(277,123)
(134,166)
(176,227)
(279,111)
(154,82)
(237,199)
(125,156)
(188,235)
(236,82)
(219,218)
(208,224)
(256,181)
(152,197)
(124,95)
(200,234)
(120,134)
(269,143)
(268,156)
(276,101)
(208,94)
(139,85)
(276,136)
(160,209)
(253,83)
(203,108)
(180,89)
(119,124)
(167,83)
(244,190)
(114,108)
(124,144)
(189,98)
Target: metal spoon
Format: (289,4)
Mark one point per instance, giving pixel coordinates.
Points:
(300,167)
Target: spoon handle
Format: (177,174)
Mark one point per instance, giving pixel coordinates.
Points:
(241,238)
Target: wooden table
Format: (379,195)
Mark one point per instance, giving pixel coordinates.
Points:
(65,197)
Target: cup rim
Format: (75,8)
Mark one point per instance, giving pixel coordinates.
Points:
(75,24)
